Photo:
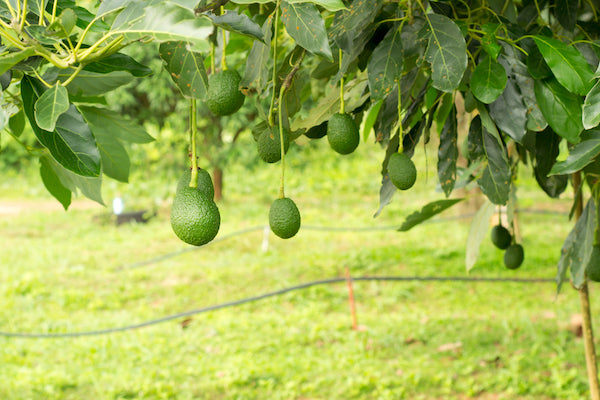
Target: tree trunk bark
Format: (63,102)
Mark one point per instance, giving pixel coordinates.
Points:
(218,183)
(588,333)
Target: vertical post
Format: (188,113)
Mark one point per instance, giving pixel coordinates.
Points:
(584,298)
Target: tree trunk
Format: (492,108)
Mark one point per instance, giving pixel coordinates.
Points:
(218,183)
(588,334)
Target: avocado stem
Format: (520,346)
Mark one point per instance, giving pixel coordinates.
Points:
(342,105)
(193,128)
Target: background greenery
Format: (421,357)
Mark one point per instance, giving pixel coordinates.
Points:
(63,272)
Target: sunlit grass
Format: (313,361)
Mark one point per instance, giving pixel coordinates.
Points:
(68,272)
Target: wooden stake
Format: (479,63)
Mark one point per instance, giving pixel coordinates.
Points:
(351,300)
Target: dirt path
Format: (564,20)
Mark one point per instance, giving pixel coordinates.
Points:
(15,207)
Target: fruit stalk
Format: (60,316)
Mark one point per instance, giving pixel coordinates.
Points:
(285,86)
(400,127)
(584,298)
(193,127)
(223,50)
(342,105)
(275,34)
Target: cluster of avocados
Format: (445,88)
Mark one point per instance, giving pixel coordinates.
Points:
(195,217)
(513,252)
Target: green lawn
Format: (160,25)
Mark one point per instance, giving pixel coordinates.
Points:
(68,272)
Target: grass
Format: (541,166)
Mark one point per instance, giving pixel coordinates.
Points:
(67,272)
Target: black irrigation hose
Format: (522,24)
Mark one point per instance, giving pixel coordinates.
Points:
(279,292)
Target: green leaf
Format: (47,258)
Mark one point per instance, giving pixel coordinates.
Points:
(259,59)
(42,35)
(370,118)
(536,65)
(186,68)
(68,20)
(11,59)
(567,64)
(71,143)
(495,180)
(560,108)
(429,210)
(90,187)
(330,5)
(118,62)
(52,104)
(385,65)
(489,42)
(580,155)
(349,24)
(115,160)
(53,184)
(446,52)
(303,22)
(447,155)
(475,139)
(111,121)
(16,123)
(591,108)
(89,84)
(509,112)
(238,23)
(386,193)
(478,230)
(565,12)
(577,248)
(165,21)
(546,150)
(488,80)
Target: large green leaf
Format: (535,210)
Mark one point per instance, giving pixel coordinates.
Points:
(488,80)
(9,60)
(509,112)
(303,22)
(331,5)
(591,108)
(475,139)
(238,23)
(560,108)
(53,184)
(348,24)
(477,232)
(118,62)
(386,193)
(122,128)
(448,154)
(186,68)
(429,210)
(52,104)
(580,155)
(90,187)
(565,12)
(546,150)
(385,65)
(71,143)
(259,59)
(495,180)
(446,52)
(115,160)
(165,21)
(370,118)
(89,84)
(567,64)
(577,248)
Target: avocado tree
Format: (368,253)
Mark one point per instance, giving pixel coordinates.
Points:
(396,72)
